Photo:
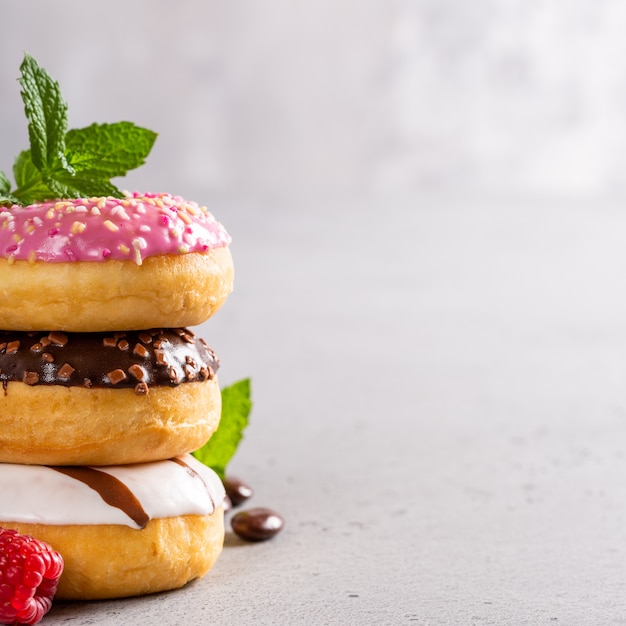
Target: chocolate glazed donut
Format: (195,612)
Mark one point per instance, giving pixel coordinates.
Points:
(109,360)
(105,398)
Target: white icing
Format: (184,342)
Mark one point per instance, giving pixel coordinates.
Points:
(41,495)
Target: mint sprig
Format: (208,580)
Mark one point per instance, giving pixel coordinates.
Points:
(65,163)
(46,112)
(236,407)
(5,184)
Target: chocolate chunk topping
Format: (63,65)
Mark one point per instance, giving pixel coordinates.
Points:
(160,357)
(116,376)
(65,371)
(57,338)
(13,347)
(86,359)
(141,389)
(137,371)
(30,378)
(140,350)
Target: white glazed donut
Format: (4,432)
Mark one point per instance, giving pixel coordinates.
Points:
(121,530)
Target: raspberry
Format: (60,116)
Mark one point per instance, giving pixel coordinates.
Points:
(29,574)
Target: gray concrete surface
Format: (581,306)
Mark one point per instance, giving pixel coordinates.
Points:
(439,382)
(440,415)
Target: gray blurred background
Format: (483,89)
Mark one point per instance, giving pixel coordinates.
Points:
(267,99)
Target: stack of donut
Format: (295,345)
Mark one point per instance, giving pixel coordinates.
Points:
(106,390)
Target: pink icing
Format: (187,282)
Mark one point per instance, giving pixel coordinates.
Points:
(96,229)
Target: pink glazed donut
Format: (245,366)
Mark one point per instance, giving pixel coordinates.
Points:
(100,264)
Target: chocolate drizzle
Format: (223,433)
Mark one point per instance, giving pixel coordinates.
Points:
(135,359)
(192,472)
(112,490)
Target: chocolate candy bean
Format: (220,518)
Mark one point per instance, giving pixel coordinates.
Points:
(237,490)
(227,505)
(257,524)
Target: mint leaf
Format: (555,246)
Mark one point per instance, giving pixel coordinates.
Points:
(60,189)
(8,200)
(5,184)
(68,164)
(81,185)
(30,186)
(46,112)
(108,150)
(24,170)
(236,407)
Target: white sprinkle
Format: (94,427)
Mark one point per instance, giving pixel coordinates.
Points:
(138,244)
(118,210)
(144,228)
